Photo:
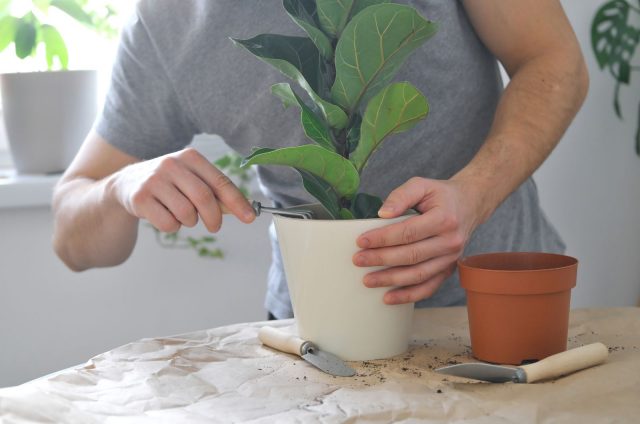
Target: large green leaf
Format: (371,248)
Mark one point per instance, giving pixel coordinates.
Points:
(299,59)
(334,14)
(373,46)
(314,127)
(331,167)
(322,191)
(25,38)
(8,26)
(73,9)
(613,40)
(305,14)
(55,46)
(365,206)
(397,108)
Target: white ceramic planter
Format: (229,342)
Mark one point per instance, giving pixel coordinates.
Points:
(331,305)
(47,116)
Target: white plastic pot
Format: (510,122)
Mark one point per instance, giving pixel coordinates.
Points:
(47,116)
(331,305)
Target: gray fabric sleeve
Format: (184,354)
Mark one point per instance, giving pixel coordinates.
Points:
(142,114)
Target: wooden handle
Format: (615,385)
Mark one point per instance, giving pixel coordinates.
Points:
(566,362)
(280,340)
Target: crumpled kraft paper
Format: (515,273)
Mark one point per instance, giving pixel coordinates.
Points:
(225,375)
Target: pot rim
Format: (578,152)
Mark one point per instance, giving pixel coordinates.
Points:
(58,71)
(527,281)
(463,262)
(312,206)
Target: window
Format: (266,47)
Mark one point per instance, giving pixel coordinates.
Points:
(86,49)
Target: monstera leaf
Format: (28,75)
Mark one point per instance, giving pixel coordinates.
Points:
(299,59)
(613,40)
(373,46)
(337,171)
(397,108)
(313,126)
(305,14)
(334,14)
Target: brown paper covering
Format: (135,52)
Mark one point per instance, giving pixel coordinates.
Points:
(225,375)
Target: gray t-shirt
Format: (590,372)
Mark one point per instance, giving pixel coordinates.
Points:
(177,75)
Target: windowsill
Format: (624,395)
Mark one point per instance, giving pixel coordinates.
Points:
(25,191)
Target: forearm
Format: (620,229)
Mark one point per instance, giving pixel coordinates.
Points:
(91,228)
(535,110)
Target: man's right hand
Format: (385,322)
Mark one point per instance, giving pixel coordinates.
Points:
(98,201)
(177,189)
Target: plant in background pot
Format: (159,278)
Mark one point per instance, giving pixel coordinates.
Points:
(48,114)
(345,66)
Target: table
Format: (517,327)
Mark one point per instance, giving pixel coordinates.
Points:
(225,375)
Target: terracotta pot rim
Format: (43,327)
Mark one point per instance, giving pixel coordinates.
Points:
(463,262)
(518,273)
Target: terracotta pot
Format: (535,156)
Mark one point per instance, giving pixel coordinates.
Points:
(331,305)
(518,304)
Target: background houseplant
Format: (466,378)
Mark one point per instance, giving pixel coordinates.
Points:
(47,114)
(614,41)
(345,66)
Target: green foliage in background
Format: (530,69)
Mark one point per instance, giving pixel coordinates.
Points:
(33,28)
(344,66)
(615,41)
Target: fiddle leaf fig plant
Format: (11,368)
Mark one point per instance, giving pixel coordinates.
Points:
(345,65)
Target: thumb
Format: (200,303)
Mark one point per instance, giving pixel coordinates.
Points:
(403,198)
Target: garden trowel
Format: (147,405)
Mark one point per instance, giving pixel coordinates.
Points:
(289,343)
(551,367)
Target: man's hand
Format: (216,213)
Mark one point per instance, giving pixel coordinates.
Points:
(98,201)
(421,250)
(176,189)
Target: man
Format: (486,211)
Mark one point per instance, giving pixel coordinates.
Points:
(467,169)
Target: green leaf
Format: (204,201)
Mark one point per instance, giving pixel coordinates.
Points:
(397,108)
(613,41)
(346,214)
(223,162)
(8,26)
(334,14)
(365,206)
(304,13)
(42,5)
(372,48)
(329,166)
(322,191)
(314,127)
(25,38)
(73,9)
(353,134)
(299,59)
(616,100)
(55,46)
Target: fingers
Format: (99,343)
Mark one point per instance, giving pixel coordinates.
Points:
(412,274)
(221,186)
(153,211)
(416,292)
(405,197)
(420,227)
(411,254)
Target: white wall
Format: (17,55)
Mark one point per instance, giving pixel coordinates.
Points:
(590,186)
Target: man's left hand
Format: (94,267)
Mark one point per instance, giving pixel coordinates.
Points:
(422,250)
